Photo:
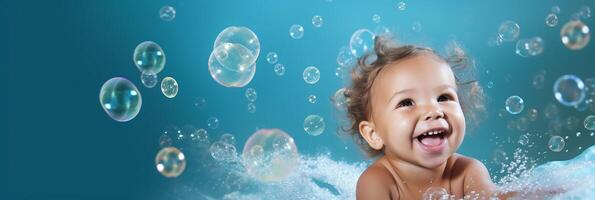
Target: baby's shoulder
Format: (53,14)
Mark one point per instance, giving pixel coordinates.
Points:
(376,182)
(465,164)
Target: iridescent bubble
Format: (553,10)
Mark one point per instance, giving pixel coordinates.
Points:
(251,107)
(222,151)
(272,57)
(551,20)
(345,57)
(556,143)
(312,98)
(340,100)
(311,75)
(435,193)
(230,76)
(509,31)
(416,26)
(149,57)
(296,31)
(569,90)
(120,99)
(167,13)
(228,138)
(251,94)
(376,18)
(575,35)
(590,122)
(314,125)
(401,6)
(279,69)
(149,80)
(514,105)
(213,122)
(361,42)
(240,36)
(170,162)
(317,21)
(270,155)
(169,87)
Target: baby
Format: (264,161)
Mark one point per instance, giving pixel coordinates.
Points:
(407,107)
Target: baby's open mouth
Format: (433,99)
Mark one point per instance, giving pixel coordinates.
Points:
(433,137)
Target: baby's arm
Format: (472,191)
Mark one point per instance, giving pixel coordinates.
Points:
(376,183)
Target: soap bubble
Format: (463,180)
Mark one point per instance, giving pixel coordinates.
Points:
(251,107)
(555,9)
(165,141)
(529,47)
(538,79)
(213,122)
(575,35)
(251,94)
(416,26)
(170,162)
(556,143)
(361,42)
(240,36)
(509,31)
(230,76)
(590,122)
(279,69)
(523,140)
(311,75)
(514,105)
(317,21)
(270,155)
(499,156)
(345,57)
(234,56)
(569,90)
(522,48)
(590,86)
(149,57)
(167,13)
(314,125)
(340,100)
(340,72)
(490,84)
(201,137)
(296,31)
(149,80)
(120,99)
(401,6)
(169,87)
(551,20)
(222,151)
(585,12)
(312,98)
(533,114)
(228,138)
(200,103)
(382,31)
(435,193)
(376,18)
(272,57)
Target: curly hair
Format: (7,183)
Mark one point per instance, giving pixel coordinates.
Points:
(387,51)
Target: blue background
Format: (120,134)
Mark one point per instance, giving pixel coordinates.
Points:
(56,142)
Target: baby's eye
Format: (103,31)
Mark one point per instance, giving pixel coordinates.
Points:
(405,102)
(444,97)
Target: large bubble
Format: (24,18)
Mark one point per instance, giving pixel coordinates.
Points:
(361,42)
(232,75)
(575,35)
(314,125)
(120,99)
(509,31)
(170,162)
(569,90)
(240,36)
(270,155)
(149,57)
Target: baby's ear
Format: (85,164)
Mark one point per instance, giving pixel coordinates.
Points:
(366,130)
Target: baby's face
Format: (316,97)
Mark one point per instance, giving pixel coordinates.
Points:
(416,111)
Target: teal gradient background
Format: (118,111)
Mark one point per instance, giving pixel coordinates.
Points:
(56,142)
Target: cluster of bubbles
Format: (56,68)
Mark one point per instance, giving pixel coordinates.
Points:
(314,125)
(224,149)
(296,31)
(360,43)
(273,59)
(270,155)
(233,60)
(529,47)
(170,162)
(167,13)
(514,105)
(149,58)
(311,75)
(120,99)
(251,95)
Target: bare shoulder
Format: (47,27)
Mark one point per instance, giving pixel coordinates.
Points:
(375,182)
(476,175)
